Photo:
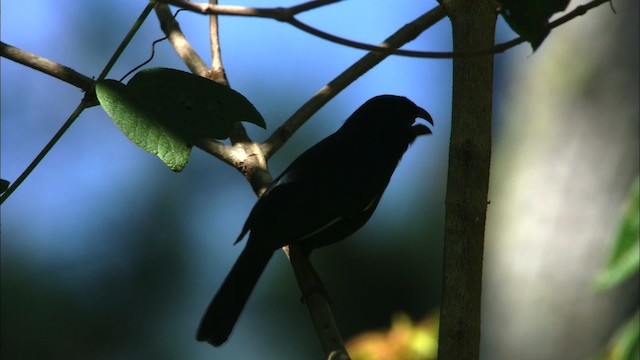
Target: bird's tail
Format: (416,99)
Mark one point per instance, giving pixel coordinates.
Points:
(225,308)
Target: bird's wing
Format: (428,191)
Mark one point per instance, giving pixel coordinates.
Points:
(311,195)
(291,211)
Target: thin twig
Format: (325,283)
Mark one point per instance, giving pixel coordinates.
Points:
(502,47)
(578,11)
(125,42)
(83,105)
(277,13)
(153,54)
(403,35)
(310,5)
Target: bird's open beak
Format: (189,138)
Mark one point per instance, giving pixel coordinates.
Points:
(420,129)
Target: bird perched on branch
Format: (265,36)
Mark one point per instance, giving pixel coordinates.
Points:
(325,195)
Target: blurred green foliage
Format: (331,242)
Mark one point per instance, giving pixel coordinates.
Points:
(625,256)
(624,262)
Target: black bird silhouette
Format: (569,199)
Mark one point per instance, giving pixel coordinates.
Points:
(325,195)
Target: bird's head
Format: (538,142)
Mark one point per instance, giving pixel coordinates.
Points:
(389,116)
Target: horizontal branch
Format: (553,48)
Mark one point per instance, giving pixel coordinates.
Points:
(277,13)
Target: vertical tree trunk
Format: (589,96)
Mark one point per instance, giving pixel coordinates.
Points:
(473,25)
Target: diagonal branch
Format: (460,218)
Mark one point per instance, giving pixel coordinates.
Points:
(85,103)
(502,47)
(185,51)
(402,36)
(46,66)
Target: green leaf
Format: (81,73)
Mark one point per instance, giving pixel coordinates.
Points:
(166,111)
(195,107)
(624,343)
(141,124)
(4,185)
(530,18)
(625,257)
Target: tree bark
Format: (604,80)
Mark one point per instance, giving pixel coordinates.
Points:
(473,25)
